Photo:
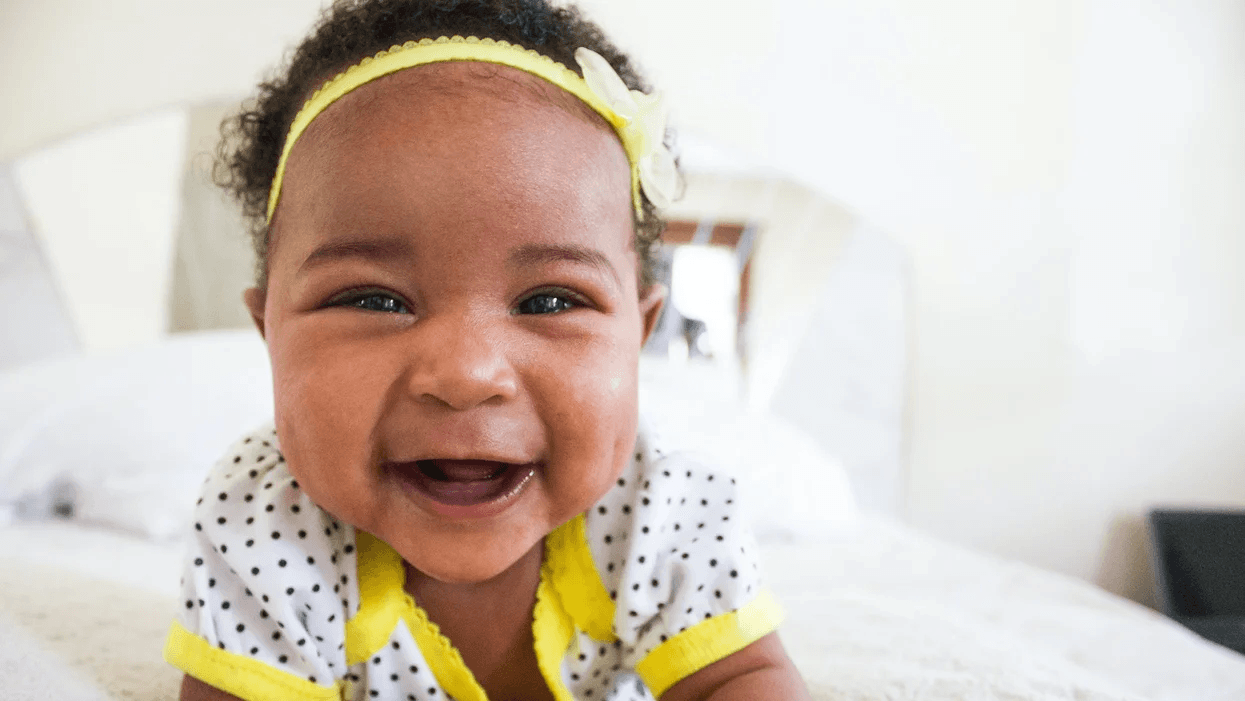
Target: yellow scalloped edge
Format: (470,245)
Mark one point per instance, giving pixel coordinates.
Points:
(552,631)
(456,39)
(383,601)
(471,48)
(442,657)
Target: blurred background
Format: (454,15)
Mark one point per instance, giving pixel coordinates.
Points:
(1035,210)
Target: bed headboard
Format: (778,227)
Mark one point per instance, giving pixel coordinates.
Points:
(825,338)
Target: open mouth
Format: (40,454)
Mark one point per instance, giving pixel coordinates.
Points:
(465,482)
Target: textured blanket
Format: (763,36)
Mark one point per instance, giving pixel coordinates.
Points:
(876,613)
(883,613)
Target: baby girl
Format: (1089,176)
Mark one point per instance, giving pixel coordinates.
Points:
(456,204)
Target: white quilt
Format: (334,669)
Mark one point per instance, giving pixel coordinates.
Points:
(887,614)
(876,613)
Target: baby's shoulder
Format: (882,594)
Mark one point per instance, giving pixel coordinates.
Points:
(252,517)
(668,493)
(269,577)
(666,507)
(671,549)
(249,483)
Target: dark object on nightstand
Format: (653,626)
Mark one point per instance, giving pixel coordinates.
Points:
(1199,561)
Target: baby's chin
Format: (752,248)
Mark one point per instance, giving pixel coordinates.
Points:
(448,565)
(480,550)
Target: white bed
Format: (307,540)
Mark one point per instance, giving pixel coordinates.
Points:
(876,611)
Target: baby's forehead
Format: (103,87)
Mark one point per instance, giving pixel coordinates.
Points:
(463,146)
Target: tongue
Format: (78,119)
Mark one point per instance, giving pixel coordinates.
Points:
(464,482)
(465,470)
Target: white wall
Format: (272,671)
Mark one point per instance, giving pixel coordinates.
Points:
(1065,175)
(84,62)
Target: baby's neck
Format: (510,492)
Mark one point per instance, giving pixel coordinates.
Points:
(509,590)
(490,623)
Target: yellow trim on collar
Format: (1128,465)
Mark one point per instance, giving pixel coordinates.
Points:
(383,601)
(456,48)
(239,675)
(709,641)
(442,657)
(575,576)
(552,631)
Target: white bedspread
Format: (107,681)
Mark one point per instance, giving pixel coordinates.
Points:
(884,613)
(83,614)
(875,614)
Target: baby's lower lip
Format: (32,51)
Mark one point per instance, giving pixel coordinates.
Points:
(463,489)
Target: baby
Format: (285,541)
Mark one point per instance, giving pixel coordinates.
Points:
(455,206)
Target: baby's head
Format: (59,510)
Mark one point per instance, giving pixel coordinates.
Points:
(351,30)
(454,281)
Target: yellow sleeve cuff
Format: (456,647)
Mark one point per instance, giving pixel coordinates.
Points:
(709,641)
(241,676)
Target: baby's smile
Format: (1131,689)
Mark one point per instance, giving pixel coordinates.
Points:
(463,489)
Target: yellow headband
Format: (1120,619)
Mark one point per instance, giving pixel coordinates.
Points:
(637,118)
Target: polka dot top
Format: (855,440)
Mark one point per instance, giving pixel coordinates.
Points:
(282,601)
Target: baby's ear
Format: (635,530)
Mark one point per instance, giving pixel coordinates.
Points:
(255,300)
(651,302)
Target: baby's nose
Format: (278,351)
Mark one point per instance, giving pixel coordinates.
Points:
(461,365)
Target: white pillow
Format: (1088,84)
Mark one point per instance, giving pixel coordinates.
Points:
(789,487)
(127,438)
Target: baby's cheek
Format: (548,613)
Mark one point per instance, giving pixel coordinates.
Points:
(324,409)
(336,387)
(607,413)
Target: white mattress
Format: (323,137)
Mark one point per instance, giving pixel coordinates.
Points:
(885,613)
(876,613)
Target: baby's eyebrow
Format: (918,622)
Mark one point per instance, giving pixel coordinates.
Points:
(539,253)
(378,249)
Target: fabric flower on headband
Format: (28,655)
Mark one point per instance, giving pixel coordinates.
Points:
(645,126)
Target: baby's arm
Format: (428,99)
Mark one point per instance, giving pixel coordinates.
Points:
(761,670)
(195,690)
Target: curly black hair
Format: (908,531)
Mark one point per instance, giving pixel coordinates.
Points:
(348,31)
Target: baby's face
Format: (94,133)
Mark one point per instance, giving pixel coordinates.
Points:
(453,317)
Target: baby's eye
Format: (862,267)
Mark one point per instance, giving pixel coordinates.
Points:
(547,303)
(373,302)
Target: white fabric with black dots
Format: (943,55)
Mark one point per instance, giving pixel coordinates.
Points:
(396,671)
(670,546)
(595,670)
(270,575)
